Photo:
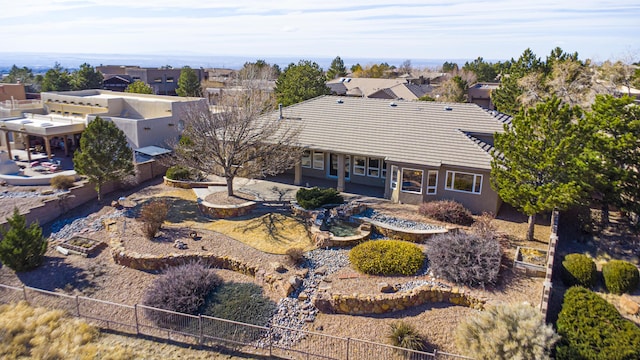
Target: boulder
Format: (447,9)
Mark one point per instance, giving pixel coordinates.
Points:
(386,288)
(295,281)
(628,305)
(279,267)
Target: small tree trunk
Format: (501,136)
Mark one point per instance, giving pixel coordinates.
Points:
(99,191)
(604,214)
(532,223)
(230,186)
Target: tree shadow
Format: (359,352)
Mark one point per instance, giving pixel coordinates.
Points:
(273,224)
(55,274)
(180,210)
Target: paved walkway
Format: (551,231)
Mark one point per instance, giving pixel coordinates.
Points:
(281,188)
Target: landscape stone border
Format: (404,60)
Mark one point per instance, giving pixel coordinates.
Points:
(147,262)
(190,184)
(225,211)
(359,304)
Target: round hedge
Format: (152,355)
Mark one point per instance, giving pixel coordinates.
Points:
(579,269)
(387,257)
(620,276)
(178,172)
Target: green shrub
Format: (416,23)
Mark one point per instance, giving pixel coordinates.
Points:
(62,182)
(402,334)
(620,276)
(579,269)
(152,216)
(387,257)
(463,258)
(316,197)
(178,172)
(242,302)
(592,328)
(447,211)
(491,334)
(22,247)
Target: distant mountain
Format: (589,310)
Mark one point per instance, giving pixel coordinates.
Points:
(41,62)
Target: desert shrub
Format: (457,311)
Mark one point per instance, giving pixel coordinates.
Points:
(62,182)
(387,257)
(39,333)
(620,276)
(242,302)
(181,289)
(295,255)
(315,197)
(465,258)
(22,247)
(447,211)
(483,226)
(152,216)
(579,269)
(404,335)
(178,172)
(492,334)
(592,328)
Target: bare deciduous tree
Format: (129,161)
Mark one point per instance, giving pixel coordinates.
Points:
(239,138)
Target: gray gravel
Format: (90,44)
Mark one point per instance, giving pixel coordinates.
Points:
(26,194)
(67,228)
(293,313)
(418,283)
(396,222)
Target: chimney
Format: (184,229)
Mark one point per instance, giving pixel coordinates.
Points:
(280,108)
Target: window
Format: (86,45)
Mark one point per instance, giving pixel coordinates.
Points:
(374,167)
(466,182)
(306,159)
(384,170)
(158,80)
(318,160)
(169,79)
(359,163)
(394,177)
(432,182)
(412,181)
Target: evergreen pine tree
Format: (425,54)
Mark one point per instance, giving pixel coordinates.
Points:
(22,247)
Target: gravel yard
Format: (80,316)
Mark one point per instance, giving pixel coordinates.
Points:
(99,277)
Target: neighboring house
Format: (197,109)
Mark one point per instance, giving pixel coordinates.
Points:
(398,88)
(116,82)
(219,74)
(480,93)
(416,151)
(406,91)
(164,81)
(147,120)
(12,92)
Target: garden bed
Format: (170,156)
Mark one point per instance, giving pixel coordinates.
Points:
(81,245)
(530,260)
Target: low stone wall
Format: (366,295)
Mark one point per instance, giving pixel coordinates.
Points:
(225,211)
(416,236)
(190,184)
(359,304)
(148,262)
(326,238)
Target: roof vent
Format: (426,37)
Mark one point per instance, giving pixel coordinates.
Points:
(393,104)
(448,108)
(339,101)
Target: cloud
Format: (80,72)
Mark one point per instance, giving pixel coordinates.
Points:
(375,28)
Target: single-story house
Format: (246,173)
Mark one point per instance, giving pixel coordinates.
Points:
(417,151)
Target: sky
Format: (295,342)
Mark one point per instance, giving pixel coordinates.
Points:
(425,29)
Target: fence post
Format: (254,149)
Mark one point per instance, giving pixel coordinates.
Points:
(135,313)
(435,353)
(201,340)
(24,292)
(348,345)
(77,306)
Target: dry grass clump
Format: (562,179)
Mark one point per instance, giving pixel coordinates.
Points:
(39,333)
(152,216)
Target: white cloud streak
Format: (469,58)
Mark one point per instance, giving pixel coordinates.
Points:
(414,29)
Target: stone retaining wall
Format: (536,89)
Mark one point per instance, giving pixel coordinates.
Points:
(148,262)
(225,211)
(190,184)
(416,236)
(359,304)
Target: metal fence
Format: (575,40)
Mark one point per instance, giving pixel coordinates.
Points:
(209,331)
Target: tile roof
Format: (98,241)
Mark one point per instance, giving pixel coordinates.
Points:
(414,132)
